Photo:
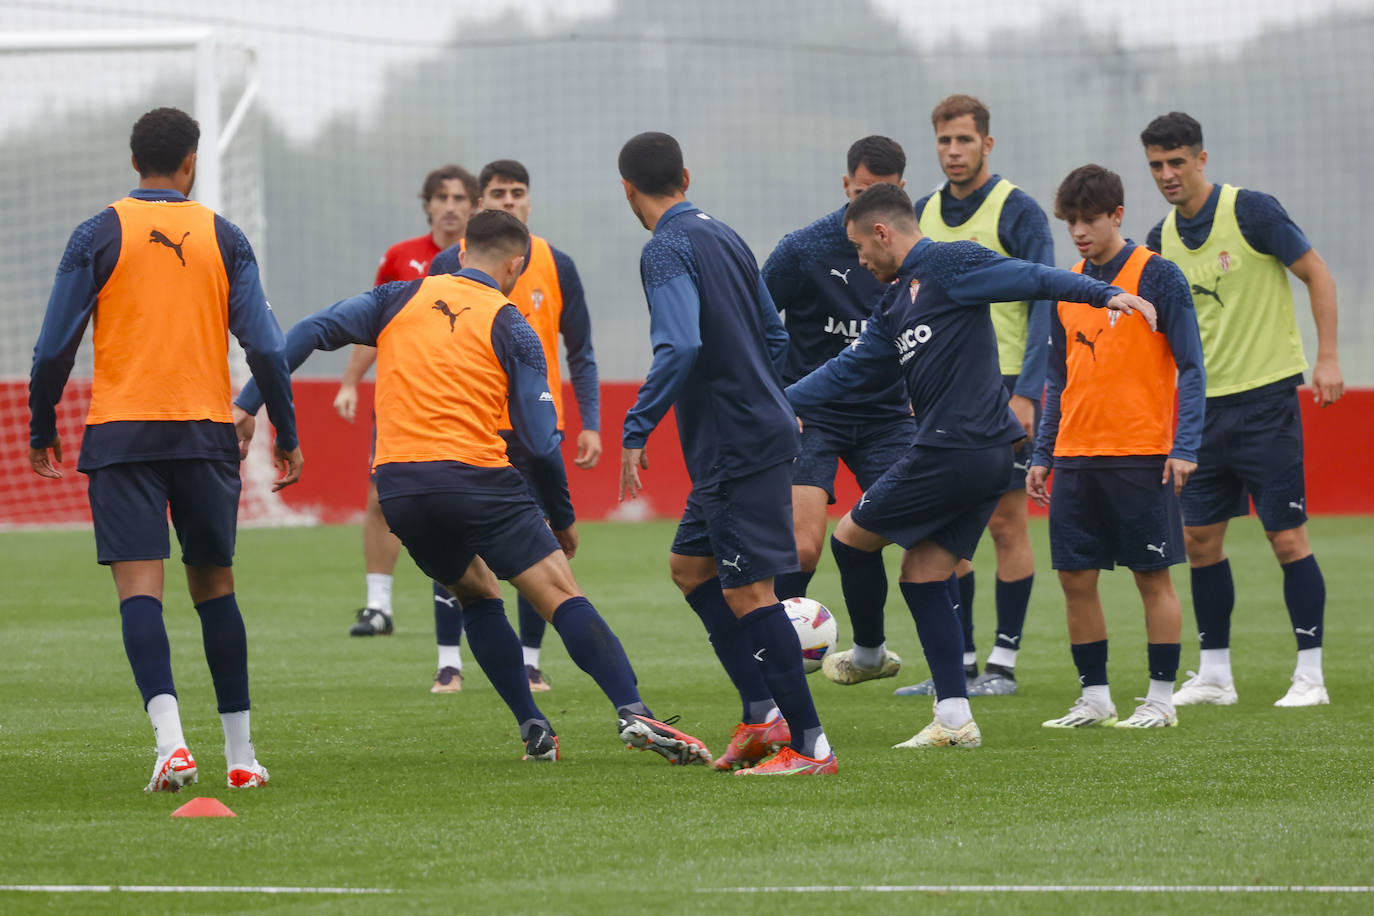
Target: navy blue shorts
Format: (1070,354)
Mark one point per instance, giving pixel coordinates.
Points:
(521,459)
(1250,450)
(867,450)
(129,504)
(1021,459)
(444,531)
(745,523)
(1103,516)
(944,495)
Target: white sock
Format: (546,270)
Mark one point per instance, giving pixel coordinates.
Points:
(822,748)
(238,744)
(531,656)
(451,657)
(954,712)
(1099,694)
(1214,667)
(379,592)
(166,719)
(970,658)
(1003,656)
(870,657)
(1310,664)
(1161,692)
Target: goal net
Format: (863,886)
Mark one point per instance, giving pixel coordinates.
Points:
(70,100)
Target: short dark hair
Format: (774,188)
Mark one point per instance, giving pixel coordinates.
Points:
(162,139)
(496,232)
(1172,131)
(881,203)
(508,169)
(652,162)
(956,106)
(1088,192)
(880,155)
(435,180)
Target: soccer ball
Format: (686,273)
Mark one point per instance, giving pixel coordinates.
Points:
(816,630)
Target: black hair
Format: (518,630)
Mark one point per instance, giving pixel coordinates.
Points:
(1172,131)
(496,232)
(161,140)
(652,162)
(881,203)
(880,155)
(508,169)
(1088,192)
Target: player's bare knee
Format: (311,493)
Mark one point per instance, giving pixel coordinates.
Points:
(688,573)
(207,582)
(1205,545)
(1154,583)
(1290,545)
(809,555)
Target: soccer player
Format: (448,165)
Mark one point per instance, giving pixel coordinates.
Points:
(167,281)
(449,195)
(815,279)
(718,350)
(549,295)
(1233,245)
(1108,433)
(976,205)
(453,356)
(933,330)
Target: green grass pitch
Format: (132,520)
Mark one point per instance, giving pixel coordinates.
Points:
(376,783)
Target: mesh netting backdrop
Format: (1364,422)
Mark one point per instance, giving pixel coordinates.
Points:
(765,97)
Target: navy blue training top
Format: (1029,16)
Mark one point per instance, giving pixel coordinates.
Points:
(1024,232)
(1161,284)
(933,328)
(90,258)
(360,320)
(826,298)
(719,349)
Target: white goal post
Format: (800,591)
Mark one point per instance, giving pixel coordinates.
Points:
(71,98)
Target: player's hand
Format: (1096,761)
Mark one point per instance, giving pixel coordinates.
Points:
(567,539)
(1127,303)
(588,449)
(1179,470)
(631,461)
(1036,478)
(289,463)
(1327,382)
(244,426)
(44,465)
(1024,408)
(346,401)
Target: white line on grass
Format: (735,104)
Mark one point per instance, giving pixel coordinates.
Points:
(1057,889)
(183,889)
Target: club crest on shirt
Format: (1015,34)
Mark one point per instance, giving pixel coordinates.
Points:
(537,299)
(914,288)
(1224,261)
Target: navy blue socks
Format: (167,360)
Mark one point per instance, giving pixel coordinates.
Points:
(1090,658)
(497,649)
(1214,596)
(863,581)
(1304,591)
(448,618)
(531,624)
(596,650)
(145,642)
(733,650)
(1012,600)
(226,651)
(941,635)
(777,653)
(792,585)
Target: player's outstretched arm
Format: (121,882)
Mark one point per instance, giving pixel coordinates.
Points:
(869,361)
(1328,384)
(359,361)
(1127,303)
